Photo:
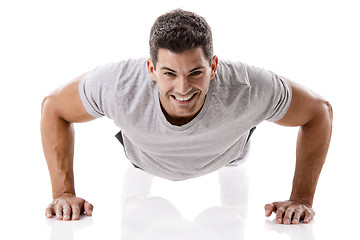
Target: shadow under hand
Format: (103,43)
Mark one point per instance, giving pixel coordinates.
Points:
(146,217)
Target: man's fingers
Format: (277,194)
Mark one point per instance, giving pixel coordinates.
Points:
(75,212)
(66,212)
(49,212)
(308,216)
(280,215)
(290,212)
(297,216)
(269,209)
(288,215)
(88,208)
(68,208)
(58,212)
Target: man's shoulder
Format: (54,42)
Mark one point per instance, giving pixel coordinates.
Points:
(232,72)
(237,72)
(133,62)
(130,72)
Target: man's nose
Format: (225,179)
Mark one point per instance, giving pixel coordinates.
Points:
(182,85)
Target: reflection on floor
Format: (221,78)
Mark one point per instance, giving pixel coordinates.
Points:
(148,217)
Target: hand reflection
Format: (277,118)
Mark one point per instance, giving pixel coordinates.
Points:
(296,232)
(147,217)
(65,229)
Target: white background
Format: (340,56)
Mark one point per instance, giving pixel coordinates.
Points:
(45,44)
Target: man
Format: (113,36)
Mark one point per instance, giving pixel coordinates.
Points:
(184,113)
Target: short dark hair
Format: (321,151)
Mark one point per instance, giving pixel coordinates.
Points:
(179,31)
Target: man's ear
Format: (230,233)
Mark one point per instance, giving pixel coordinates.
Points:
(151,68)
(214,64)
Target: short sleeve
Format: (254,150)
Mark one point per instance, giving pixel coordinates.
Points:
(281,99)
(97,90)
(271,95)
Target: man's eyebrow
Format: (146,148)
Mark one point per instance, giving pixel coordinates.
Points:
(192,70)
(197,68)
(169,69)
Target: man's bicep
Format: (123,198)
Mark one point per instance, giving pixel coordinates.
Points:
(66,103)
(303,106)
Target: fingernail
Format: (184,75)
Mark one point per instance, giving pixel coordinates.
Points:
(295,220)
(279,220)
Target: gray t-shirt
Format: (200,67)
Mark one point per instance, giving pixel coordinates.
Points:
(239,98)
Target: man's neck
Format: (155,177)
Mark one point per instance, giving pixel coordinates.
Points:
(178,121)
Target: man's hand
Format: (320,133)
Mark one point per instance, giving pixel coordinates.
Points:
(68,207)
(290,212)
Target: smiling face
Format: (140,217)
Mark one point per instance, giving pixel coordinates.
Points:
(183,81)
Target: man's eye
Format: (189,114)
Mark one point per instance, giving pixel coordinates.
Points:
(196,73)
(170,74)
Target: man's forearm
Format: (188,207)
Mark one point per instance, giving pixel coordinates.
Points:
(58,144)
(312,147)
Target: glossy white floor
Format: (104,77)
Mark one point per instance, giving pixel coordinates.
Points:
(47,44)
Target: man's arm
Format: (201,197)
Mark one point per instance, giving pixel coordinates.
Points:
(314,116)
(59,110)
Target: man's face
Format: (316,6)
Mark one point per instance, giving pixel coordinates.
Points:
(183,81)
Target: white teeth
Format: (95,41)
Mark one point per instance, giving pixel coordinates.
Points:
(183,98)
